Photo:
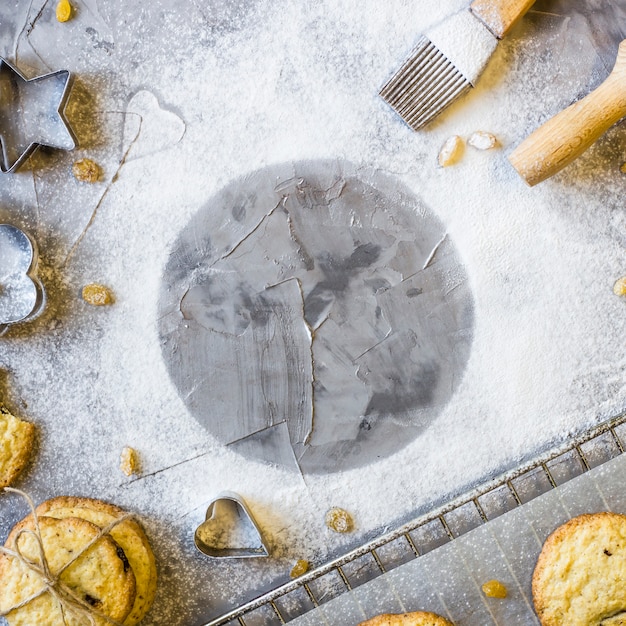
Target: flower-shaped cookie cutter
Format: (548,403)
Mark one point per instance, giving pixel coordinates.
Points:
(229,530)
(22,296)
(32,114)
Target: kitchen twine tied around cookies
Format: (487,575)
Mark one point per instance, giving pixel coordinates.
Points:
(69,602)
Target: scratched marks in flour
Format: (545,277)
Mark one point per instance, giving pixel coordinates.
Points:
(315,315)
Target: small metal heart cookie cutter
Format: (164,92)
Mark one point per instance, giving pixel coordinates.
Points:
(229,530)
(22,296)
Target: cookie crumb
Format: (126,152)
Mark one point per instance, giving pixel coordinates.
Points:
(86,171)
(63,11)
(97,295)
(129,461)
(301,567)
(451,151)
(339,520)
(482,140)
(623,168)
(494,589)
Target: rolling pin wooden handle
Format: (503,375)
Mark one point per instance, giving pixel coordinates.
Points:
(499,16)
(569,133)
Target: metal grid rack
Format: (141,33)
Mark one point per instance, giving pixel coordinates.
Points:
(432,530)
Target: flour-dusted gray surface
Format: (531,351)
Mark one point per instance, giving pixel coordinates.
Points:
(177,101)
(315,315)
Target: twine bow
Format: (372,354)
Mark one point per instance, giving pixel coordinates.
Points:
(68,601)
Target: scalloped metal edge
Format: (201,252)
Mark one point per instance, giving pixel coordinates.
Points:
(40,300)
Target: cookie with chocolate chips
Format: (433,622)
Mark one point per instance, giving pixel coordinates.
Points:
(129,535)
(84,572)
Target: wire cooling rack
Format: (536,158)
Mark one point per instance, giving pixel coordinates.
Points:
(432,530)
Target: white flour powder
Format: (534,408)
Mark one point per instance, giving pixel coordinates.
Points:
(214,92)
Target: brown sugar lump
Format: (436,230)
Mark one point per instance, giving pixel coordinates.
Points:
(418,618)
(339,520)
(494,589)
(16,444)
(482,140)
(63,11)
(97,295)
(451,151)
(86,170)
(129,461)
(579,576)
(619,288)
(128,534)
(300,568)
(80,574)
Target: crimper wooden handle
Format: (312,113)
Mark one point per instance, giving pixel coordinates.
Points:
(499,16)
(569,133)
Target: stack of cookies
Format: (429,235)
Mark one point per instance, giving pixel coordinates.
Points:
(87,575)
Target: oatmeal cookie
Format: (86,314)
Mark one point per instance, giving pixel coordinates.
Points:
(580,573)
(418,618)
(16,443)
(101,576)
(128,534)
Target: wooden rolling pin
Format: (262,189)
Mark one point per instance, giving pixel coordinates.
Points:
(569,133)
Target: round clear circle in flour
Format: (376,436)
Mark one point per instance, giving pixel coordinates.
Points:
(315,315)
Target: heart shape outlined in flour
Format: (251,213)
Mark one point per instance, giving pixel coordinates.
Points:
(21,293)
(229,530)
(149,127)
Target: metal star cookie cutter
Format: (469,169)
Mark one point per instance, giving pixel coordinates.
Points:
(22,296)
(32,114)
(229,530)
